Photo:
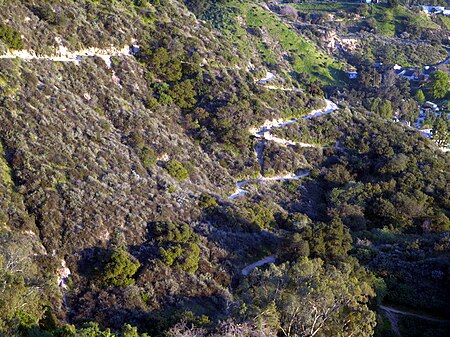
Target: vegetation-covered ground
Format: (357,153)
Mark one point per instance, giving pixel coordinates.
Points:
(114,181)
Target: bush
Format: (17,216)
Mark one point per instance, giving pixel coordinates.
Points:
(45,12)
(183,94)
(176,169)
(120,269)
(177,245)
(10,37)
(207,202)
(148,157)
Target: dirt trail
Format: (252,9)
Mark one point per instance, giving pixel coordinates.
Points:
(403,312)
(392,316)
(393,320)
(62,54)
(247,270)
(263,133)
(241,191)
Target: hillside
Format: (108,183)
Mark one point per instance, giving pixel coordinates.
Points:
(207,168)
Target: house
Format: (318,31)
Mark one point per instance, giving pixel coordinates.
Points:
(352,75)
(433,9)
(431,105)
(410,74)
(428,70)
(426,132)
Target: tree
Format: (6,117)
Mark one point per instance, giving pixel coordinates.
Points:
(315,89)
(363,10)
(393,3)
(440,132)
(163,64)
(120,269)
(17,300)
(176,169)
(10,37)
(199,7)
(409,110)
(183,94)
(310,298)
(21,304)
(385,109)
(420,97)
(177,245)
(369,77)
(439,84)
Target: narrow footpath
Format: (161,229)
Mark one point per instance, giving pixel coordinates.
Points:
(263,133)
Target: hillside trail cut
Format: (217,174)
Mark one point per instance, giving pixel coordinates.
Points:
(263,133)
(62,54)
(247,270)
(392,313)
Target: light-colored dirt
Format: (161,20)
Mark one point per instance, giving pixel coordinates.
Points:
(247,270)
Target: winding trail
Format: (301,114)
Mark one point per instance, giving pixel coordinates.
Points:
(278,123)
(392,313)
(274,87)
(62,54)
(264,133)
(247,270)
(407,313)
(241,191)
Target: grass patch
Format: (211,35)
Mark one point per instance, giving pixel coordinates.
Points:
(252,28)
(325,7)
(446,21)
(306,57)
(388,21)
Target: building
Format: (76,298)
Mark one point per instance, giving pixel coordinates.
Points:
(433,9)
(431,105)
(352,75)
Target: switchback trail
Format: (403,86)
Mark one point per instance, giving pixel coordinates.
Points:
(264,133)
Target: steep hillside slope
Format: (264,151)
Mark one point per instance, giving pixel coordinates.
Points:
(99,144)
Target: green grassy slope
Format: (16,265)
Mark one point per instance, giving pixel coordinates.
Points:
(263,34)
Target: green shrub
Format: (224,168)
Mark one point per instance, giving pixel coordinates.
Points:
(120,269)
(185,258)
(163,64)
(148,157)
(207,202)
(177,245)
(171,254)
(170,232)
(183,94)
(10,37)
(176,169)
